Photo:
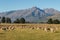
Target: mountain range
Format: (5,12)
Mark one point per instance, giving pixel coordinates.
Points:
(33,14)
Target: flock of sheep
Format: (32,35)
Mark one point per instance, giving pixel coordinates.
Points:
(45,28)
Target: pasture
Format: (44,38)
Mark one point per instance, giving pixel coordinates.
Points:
(29,32)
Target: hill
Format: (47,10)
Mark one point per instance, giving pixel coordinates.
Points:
(33,14)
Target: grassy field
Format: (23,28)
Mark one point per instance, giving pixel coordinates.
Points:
(28,34)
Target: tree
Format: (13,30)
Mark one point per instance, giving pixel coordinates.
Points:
(22,20)
(50,21)
(3,20)
(56,21)
(0,19)
(8,20)
(17,21)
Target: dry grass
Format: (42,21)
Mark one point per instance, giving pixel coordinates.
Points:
(29,34)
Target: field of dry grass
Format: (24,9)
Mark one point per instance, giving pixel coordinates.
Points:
(24,32)
(33,25)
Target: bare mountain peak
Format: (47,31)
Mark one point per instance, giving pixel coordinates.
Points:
(37,9)
(51,9)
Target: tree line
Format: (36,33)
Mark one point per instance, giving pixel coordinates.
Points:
(22,20)
(8,20)
(51,21)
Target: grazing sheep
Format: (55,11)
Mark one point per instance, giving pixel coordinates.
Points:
(45,29)
(32,27)
(49,29)
(11,28)
(37,28)
(52,30)
(40,27)
(4,28)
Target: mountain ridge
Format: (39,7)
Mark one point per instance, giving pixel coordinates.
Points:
(33,14)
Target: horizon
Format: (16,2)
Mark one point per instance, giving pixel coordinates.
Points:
(8,5)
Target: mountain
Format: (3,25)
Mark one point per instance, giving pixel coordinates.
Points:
(55,14)
(33,14)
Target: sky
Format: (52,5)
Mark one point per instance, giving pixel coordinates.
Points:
(8,5)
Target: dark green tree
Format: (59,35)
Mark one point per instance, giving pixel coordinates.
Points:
(0,19)
(56,21)
(22,20)
(3,20)
(50,21)
(17,21)
(8,20)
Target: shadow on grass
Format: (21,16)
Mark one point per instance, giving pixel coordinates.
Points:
(56,32)
(2,33)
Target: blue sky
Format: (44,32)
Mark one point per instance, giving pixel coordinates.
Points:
(7,5)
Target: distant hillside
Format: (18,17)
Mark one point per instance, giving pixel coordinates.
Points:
(55,13)
(33,14)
